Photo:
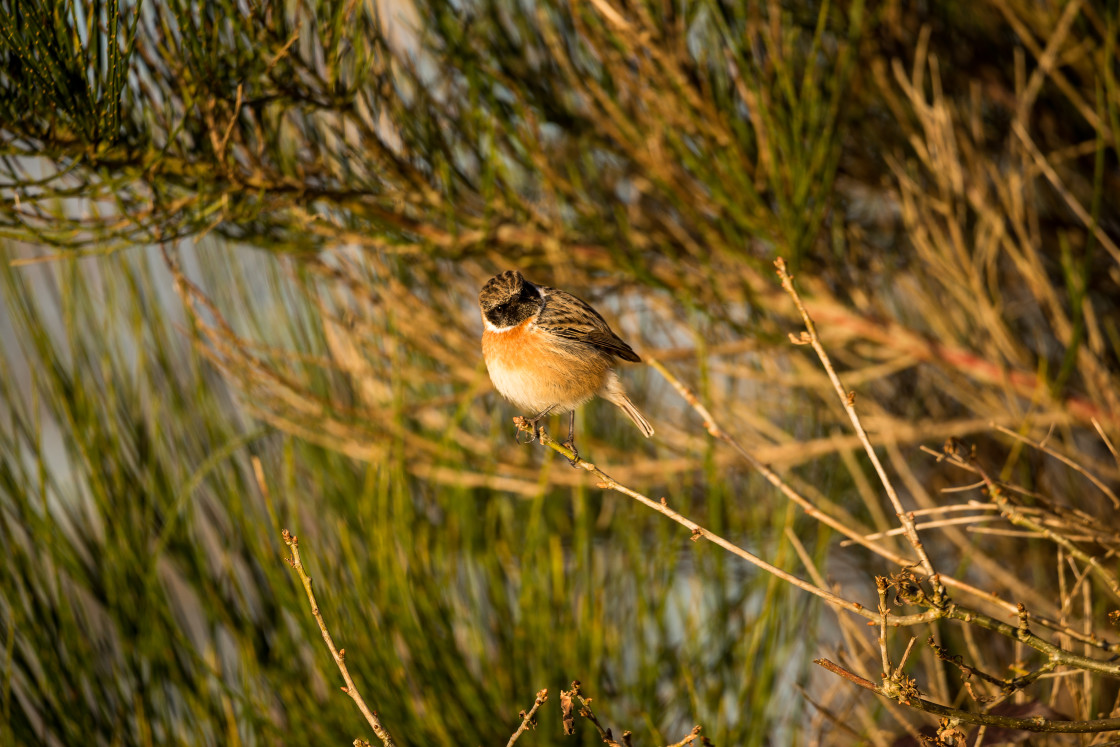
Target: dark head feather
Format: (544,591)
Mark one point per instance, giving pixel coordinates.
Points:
(509,299)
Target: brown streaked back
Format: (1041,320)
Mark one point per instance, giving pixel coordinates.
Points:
(572,318)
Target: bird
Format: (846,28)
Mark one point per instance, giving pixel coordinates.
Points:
(550,352)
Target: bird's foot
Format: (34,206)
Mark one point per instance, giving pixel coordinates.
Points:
(525,425)
(573,460)
(529,425)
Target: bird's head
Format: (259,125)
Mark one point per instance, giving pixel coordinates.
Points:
(509,299)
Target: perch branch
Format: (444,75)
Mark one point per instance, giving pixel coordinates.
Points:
(608,483)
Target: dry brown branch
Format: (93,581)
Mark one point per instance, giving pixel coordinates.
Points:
(1041,446)
(339,655)
(1061,529)
(980,595)
(692,736)
(939,524)
(937,607)
(606,482)
(587,713)
(528,719)
(847,399)
(1037,724)
(1107,441)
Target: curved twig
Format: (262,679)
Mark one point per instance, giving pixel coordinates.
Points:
(716,431)
(1036,724)
(339,655)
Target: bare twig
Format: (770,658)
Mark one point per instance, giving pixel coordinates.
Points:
(1107,441)
(587,713)
(608,483)
(528,719)
(999,496)
(692,735)
(1036,724)
(847,399)
(339,655)
(952,610)
(966,520)
(1041,446)
(855,537)
(881,587)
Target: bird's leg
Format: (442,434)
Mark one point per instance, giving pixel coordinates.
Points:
(536,434)
(571,442)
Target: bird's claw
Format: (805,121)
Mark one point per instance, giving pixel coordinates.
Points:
(573,460)
(537,432)
(524,425)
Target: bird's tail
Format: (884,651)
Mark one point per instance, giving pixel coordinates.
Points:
(612,392)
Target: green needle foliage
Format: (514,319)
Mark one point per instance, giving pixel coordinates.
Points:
(67,68)
(145,599)
(238,231)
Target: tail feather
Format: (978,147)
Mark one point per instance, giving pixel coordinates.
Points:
(612,392)
(627,407)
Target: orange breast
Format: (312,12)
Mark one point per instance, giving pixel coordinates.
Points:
(533,372)
(509,349)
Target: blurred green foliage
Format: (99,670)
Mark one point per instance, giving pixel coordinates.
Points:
(146,601)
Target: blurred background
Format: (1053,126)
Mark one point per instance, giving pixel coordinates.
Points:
(237,231)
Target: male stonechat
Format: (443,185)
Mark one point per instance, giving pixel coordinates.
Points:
(550,352)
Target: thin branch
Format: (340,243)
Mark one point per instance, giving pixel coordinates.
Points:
(999,497)
(528,719)
(587,713)
(339,655)
(1107,441)
(926,525)
(1036,724)
(692,735)
(1024,635)
(1041,446)
(718,432)
(606,482)
(847,399)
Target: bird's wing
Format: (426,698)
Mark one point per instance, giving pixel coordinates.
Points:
(573,319)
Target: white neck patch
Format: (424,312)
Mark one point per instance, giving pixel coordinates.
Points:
(490,327)
(499,330)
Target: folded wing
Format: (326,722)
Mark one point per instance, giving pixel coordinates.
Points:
(573,319)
